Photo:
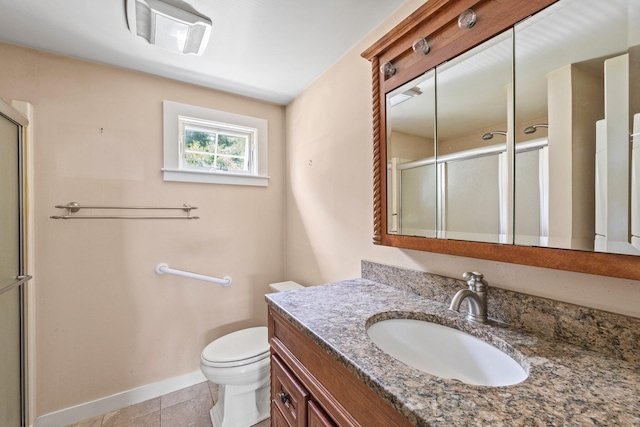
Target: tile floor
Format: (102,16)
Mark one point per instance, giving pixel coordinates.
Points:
(188,407)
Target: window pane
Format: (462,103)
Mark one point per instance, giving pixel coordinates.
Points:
(199,141)
(230,163)
(232,145)
(215,149)
(199,160)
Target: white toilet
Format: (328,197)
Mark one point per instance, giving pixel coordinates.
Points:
(239,363)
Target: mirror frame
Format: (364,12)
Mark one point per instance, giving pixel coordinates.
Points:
(437,20)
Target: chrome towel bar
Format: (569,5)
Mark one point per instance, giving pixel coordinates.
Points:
(120,217)
(73,207)
(163,268)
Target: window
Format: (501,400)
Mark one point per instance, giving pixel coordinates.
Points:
(215,146)
(203,145)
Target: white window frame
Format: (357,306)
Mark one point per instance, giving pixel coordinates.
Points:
(174,168)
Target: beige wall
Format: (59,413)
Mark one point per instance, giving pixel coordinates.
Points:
(329,218)
(105,321)
(409,147)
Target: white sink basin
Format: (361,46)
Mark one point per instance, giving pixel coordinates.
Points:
(445,352)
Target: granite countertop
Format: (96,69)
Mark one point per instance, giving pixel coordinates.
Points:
(567,385)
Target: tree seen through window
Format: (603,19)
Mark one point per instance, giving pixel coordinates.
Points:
(216,150)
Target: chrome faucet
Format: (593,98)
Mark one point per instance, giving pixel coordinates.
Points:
(477,297)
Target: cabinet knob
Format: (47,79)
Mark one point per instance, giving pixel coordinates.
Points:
(284,398)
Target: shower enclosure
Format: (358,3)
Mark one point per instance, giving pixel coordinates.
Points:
(12,278)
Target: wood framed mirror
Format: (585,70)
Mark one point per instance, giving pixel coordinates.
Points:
(535,111)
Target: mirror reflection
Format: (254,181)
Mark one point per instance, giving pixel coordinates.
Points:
(462,192)
(411,177)
(578,96)
(551,159)
(473,122)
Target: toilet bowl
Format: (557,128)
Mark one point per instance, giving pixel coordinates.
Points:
(239,363)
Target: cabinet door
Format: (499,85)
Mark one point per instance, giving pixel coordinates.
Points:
(317,417)
(288,394)
(277,418)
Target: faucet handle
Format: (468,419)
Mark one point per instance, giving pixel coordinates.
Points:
(476,281)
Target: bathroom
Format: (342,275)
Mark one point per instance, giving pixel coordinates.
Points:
(102,322)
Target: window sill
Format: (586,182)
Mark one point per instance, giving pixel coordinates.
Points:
(182,175)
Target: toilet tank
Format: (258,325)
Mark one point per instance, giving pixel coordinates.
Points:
(285,286)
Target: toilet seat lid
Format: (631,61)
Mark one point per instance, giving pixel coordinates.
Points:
(251,343)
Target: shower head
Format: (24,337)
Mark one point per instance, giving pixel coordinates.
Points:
(532,129)
(489,135)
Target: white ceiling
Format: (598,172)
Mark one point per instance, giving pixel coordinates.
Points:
(269,50)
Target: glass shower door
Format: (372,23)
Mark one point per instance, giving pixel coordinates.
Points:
(11,367)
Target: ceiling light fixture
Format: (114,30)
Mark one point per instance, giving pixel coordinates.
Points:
(403,96)
(170,24)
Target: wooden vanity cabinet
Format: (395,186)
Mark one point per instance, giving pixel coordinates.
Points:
(310,388)
(317,417)
(288,394)
(277,418)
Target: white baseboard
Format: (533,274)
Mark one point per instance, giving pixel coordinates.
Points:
(77,413)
